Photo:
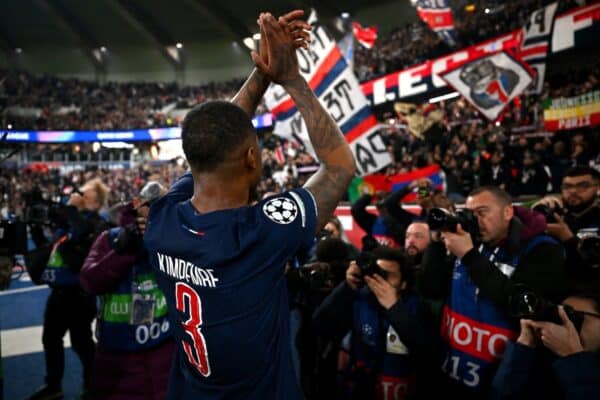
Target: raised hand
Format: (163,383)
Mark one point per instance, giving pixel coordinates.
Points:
(279,40)
(298,29)
(563,340)
(386,294)
(250,94)
(353,276)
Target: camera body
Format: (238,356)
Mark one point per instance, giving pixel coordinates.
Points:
(440,219)
(423,191)
(13,238)
(525,303)
(548,212)
(589,247)
(39,210)
(367,263)
(316,276)
(129,238)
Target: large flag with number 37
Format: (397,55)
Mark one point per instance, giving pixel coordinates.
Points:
(334,83)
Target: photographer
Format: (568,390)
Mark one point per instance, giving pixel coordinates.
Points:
(312,283)
(68,307)
(133,331)
(477,281)
(389,325)
(571,367)
(574,219)
(416,241)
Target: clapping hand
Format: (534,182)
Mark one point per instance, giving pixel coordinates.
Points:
(279,41)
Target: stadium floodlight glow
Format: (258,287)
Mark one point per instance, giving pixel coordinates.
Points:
(487,10)
(345,15)
(249,43)
(444,97)
(179,45)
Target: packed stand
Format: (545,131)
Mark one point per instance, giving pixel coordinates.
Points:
(43,102)
(415,42)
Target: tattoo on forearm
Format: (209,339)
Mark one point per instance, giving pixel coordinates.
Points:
(328,189)
(329,184)
(251,92)
(324,133)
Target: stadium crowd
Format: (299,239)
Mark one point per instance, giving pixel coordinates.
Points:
(414,42)
(472,151)
(456,291)
(43,102)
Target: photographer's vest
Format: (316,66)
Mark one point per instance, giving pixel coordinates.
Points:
(474,330)
(57,273)
(134,316)
(380,359)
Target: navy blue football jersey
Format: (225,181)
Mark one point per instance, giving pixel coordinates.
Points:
(222,274)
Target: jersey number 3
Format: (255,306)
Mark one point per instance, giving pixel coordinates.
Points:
(197,355)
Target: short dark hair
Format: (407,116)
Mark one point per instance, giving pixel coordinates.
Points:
(211,130)
(390,254)
(581,170)
(500,195)
(332,249)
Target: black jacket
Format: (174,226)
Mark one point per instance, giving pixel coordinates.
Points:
(333,320)
(542,269)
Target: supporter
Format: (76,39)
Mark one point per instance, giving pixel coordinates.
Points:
(574,219)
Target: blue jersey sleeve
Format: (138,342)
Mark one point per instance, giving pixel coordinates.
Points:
(290,215)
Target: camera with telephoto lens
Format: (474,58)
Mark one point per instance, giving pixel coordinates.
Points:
(367,263)
(527,304)
(129,238)
(440,219)
(548,212)
(329,267)
(316,275)
(43,211)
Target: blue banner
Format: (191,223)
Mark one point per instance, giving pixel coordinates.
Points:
(135,135)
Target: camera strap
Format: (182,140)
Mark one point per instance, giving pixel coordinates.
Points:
(507,269)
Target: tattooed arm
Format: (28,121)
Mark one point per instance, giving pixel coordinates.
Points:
(331,181)
(250,94)
(279,62)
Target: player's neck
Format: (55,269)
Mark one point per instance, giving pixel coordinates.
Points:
(213,192)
